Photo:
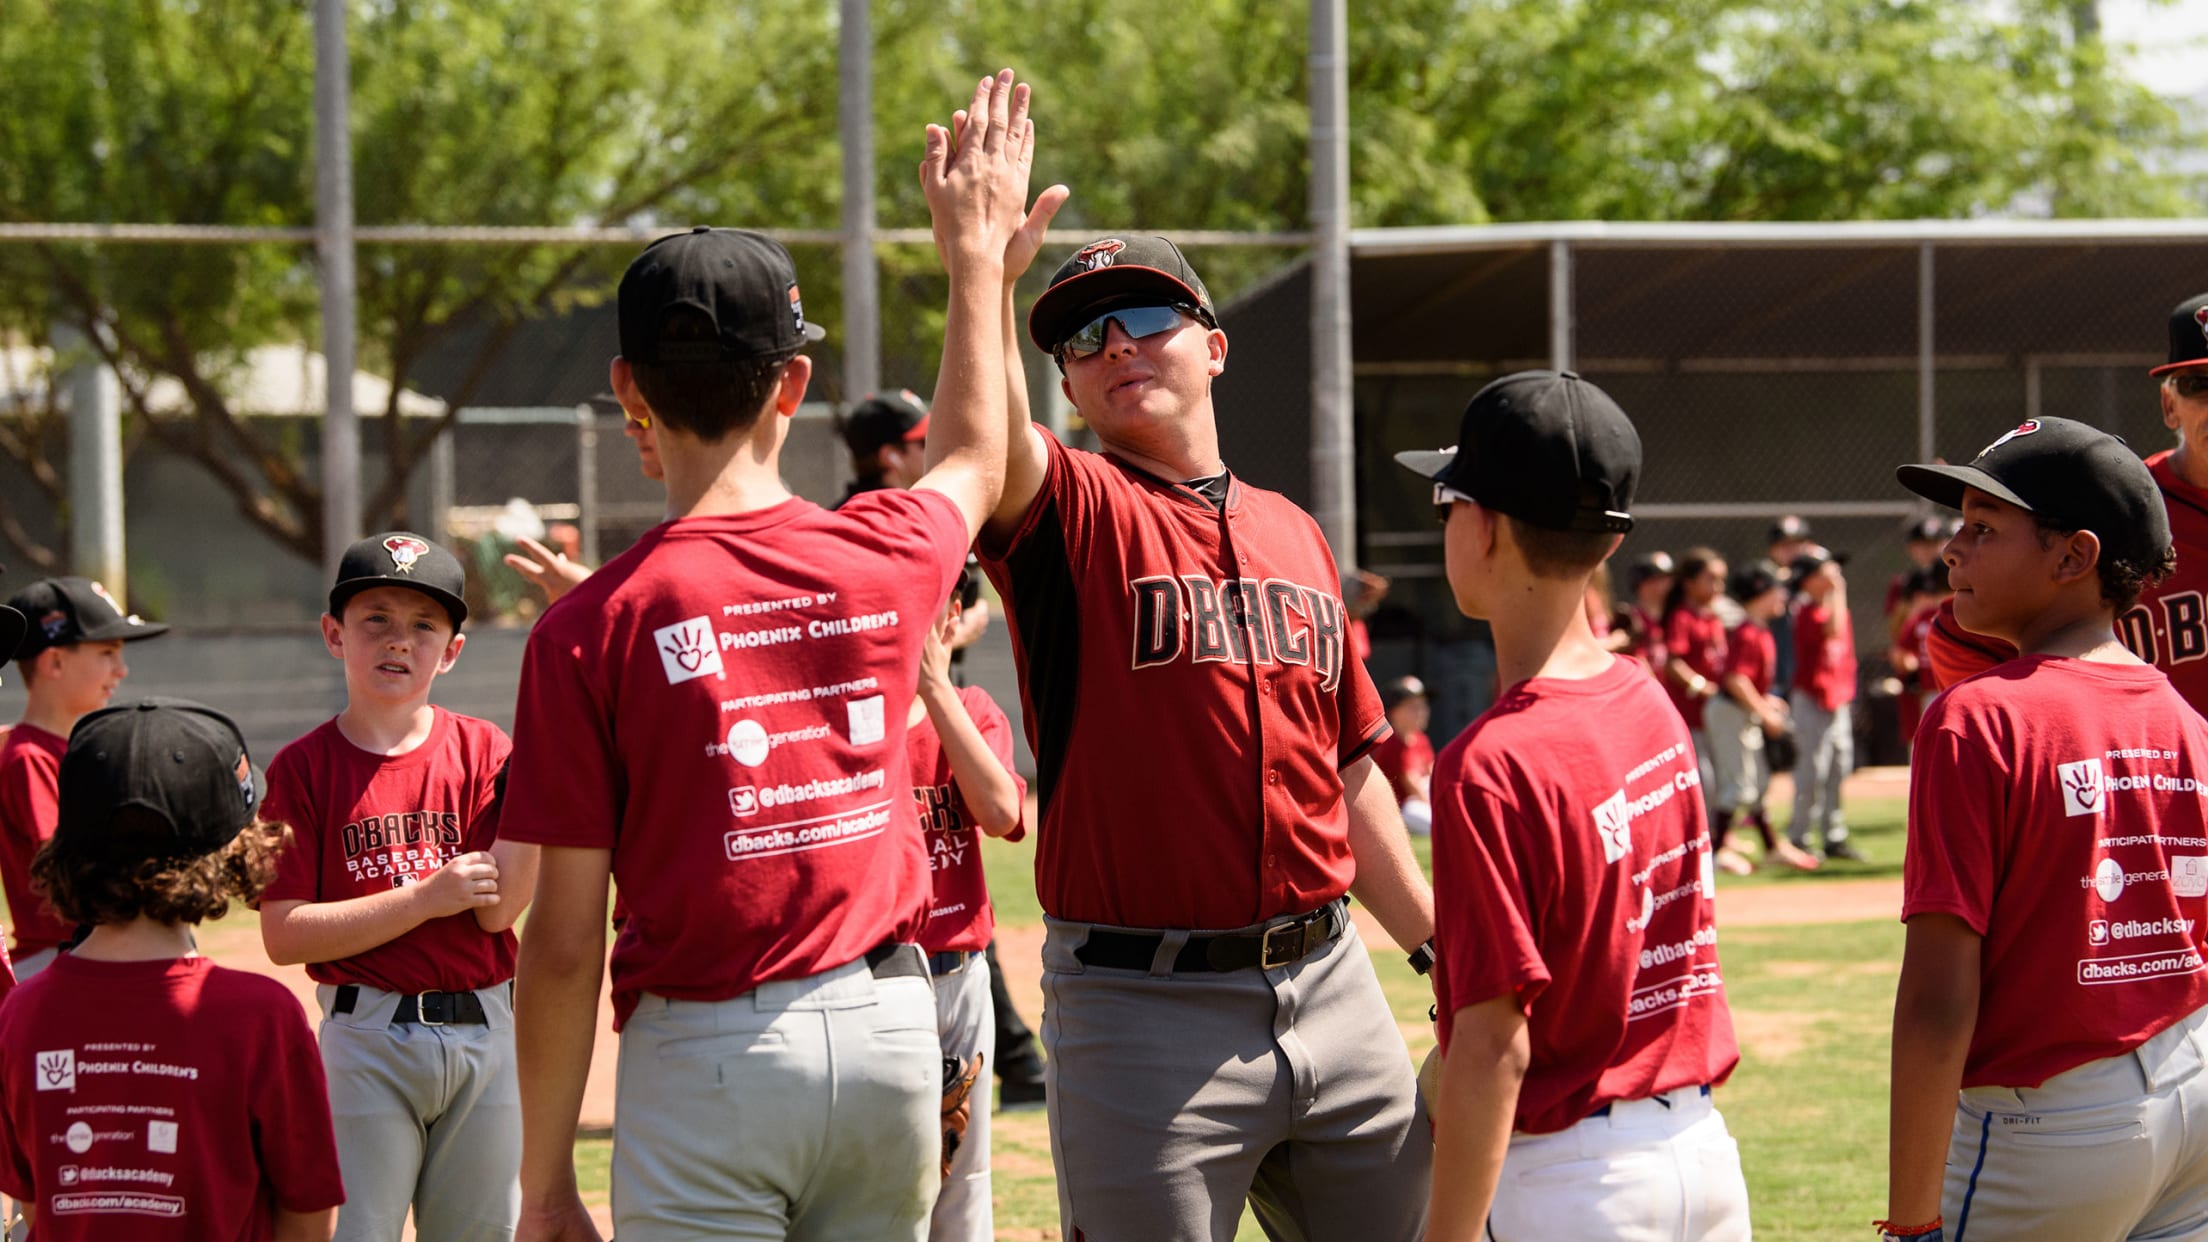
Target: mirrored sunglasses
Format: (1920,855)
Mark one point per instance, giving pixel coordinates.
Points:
(1136,321)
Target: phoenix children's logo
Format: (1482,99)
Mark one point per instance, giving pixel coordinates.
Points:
(2025,428)
(57,1070)
(405,550)
(1099,254)
(687,650)
(1615,827)
(2081,787)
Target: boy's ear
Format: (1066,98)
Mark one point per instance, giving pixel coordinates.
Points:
(333,635)
(2081,558)
(452,652)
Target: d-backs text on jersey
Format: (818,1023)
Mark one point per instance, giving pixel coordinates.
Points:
(1237,621)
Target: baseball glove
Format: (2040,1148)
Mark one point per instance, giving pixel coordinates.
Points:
(958,1103)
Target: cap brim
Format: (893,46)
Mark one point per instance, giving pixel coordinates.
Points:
(919,430)
(2190,364)
(122,631)
(343,592)
(1058,312)
(1427,463)
(812,332)
(13,625)
(1943,485)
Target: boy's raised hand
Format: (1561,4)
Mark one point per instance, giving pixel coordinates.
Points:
(463,884)
(975,174)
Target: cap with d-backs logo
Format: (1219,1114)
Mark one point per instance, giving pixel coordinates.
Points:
(1545,447)
(2188,336)
(401,558)
(2067,474)
(1115,271)
(60,612)
(183,761)
(742,282)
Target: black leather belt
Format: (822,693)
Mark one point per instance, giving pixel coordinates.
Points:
(1663,1098)
(1275,945)
(424,1008)
(894,961)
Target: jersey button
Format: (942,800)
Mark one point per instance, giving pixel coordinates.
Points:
(1272,778)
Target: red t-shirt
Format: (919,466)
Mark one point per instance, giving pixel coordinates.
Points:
(363,823)
(1751,652)
(30,788)
(1824,664)
(2055,806)
(1165,644)
(162,1101)
(959,917)
(723,707)
(1572,867)
(1697,640)
(1408,760)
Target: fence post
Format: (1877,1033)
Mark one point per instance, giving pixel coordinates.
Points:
(1561,311)
(586,481)
(95,463)
(1333,410)
(862,294)
(1927,417)
(442,451)
(333,212)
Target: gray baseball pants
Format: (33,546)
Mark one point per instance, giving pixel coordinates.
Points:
(803,1109)
(966,1022)
(1824,755)
(428,1118)
(1173,1098)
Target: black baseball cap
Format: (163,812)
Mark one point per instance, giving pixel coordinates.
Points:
(1814,558)
(60,612)
(183,761)
(1115,271)
(12,626)
(1545,447)
(1657,564)
(2068,475)
(2188,336)
(744,282)
(1400,690)
(883,419)
(1788,527)
(401,558)
(1931,530)
(1751,582)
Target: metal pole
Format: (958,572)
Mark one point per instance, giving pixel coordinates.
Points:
(95,463)
(586,481)
(1333,438)
(1927,419)
(1562,314)
(862,291)
(333,214)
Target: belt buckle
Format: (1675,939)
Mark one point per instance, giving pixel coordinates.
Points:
(421,1008)
(1293,939)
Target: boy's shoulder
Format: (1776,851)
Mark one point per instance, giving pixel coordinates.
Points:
(1522,730)
(26,743)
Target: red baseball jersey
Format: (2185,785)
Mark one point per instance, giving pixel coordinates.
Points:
(1952,653)
(2056,808)
(30,788)
(723,707)
(363,823)
(1824,663)
(1647,630)
(1171,649)
(1572,868)
(2168,628)
(162,1101)
(959,917)
(1697,640)
(1751,652)
(1408,760)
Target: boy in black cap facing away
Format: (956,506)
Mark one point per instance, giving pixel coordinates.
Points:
(888,437)
(71,658)
(147,1092)
(2054,888)
(395,896)
(1583,1020)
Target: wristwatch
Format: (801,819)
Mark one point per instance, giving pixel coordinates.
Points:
(1422,957)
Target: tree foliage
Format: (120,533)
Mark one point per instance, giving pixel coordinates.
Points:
(1161,114)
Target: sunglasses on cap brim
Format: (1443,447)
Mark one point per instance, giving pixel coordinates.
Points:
(1447,498)
(1136,321)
